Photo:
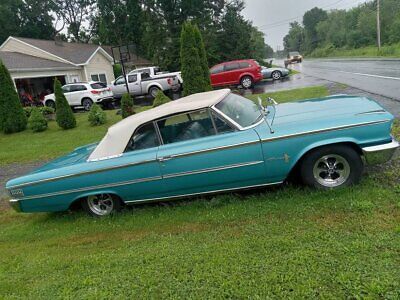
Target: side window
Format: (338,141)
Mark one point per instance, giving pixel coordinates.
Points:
(144,137)
(80,88)
(221,125)
(66,89)
(119,81)
(186,127)
(217,69)
(244,65)
(132,78)
(232,66)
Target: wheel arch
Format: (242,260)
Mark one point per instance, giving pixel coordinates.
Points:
(49,100)
(157,85)
(245,74)
(79,198)
(86,97)
(296,162)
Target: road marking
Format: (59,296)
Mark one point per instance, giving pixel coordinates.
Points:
(370,75)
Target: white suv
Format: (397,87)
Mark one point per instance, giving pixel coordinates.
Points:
(83,94)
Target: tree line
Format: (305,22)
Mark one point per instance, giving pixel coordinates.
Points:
(154,26)
(353,28)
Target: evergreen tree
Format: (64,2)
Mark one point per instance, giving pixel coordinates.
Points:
(96,115)
(160,99)
(127,106)
(12,116)
(203,58)
(64,116)
(37,122)
(192,72)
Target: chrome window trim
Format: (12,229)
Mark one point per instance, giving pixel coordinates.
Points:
(201,193)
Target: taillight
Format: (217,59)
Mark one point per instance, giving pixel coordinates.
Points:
(169,80)
(94,92)
(109,89)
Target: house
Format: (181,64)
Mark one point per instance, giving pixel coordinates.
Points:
(34,63)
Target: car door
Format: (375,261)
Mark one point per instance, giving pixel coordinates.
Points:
(217,75)
(202,153)
(119,88)
(232,72)
(142,176)
(134,85)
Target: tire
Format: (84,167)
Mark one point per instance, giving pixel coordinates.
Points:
(246,82)
(153,91)
(331,167)
(87,103)
(101,205)
(276,75)
(51,103)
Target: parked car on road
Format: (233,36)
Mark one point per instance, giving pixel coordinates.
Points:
(141,84)
(83,94)
(239,72)
(294,57)
(274,73)
(211,143)
(155,72)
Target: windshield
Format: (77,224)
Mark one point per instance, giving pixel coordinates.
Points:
(241,110)
(294,53)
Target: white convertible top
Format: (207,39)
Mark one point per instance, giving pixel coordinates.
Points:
(118,135)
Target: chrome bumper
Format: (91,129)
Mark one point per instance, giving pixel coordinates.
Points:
(16,204)
(381,153)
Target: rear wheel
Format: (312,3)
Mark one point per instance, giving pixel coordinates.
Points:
(87,103)
(276,75)
(101,205)
(153,91)
(246,82)
(332,167)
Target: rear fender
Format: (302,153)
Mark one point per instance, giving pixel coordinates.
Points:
(154,84)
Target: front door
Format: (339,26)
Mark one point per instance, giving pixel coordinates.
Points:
(202,153)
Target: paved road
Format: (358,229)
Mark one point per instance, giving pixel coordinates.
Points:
(378,76)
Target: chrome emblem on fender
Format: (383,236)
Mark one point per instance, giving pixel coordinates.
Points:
(17,193)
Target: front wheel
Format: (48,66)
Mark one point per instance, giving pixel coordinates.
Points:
(101,205)
(246,82)
(51,104)
(332,167)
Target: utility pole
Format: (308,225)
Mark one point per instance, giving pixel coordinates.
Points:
(378,23)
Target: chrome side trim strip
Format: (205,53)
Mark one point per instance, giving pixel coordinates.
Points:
(287,136)
(213,149)
(215,169)
(83,173)
(95,187)
(202,193)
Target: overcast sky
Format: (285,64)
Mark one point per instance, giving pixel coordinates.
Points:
(273,16)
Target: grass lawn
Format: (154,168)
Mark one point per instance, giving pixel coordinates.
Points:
(27,146)
(282,243)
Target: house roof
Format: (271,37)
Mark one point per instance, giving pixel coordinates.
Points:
(15,61)
(118,135)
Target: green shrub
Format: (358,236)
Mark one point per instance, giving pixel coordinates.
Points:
(27,111)
(191,64)
(203,58)
(45,110)
(96,115)
(64,116)
(127,106)
(37,122)
(160,99)
(12,116)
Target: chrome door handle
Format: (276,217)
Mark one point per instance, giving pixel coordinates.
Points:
(165,158)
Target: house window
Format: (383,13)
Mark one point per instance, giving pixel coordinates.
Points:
(99,77)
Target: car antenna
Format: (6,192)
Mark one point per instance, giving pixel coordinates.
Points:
(274,104)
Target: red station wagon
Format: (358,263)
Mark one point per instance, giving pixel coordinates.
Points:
(244,72)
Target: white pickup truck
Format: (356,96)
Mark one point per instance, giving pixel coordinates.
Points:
(156,72)
(141,84)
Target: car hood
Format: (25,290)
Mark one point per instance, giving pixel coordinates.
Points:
(79,155)
(323,109)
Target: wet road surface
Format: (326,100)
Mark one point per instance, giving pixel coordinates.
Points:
(378,76)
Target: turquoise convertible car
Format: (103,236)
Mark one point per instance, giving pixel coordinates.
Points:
(209,143)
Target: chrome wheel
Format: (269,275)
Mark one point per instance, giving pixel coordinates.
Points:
(247,82)
(87,104)
(153,92)
(101,205)
(331,170)
(276,75)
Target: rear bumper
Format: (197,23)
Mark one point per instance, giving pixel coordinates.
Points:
(381,153)
(15,204)
(105,99)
